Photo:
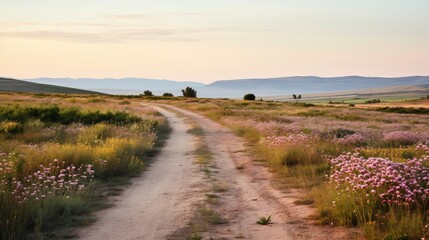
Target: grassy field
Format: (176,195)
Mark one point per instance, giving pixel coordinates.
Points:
(359,167)
(59,154)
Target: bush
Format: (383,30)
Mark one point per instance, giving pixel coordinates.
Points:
(63,116)
(167,95)
(10,127)
(373,101)
(189,92)
(249,96)
(147,93)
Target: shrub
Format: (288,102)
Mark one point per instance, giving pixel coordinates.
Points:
(10,127)
(147,93)
(189,92)
(342,132)
(249,97)
(403,110)
(64,116)
(167,95)
(401,138)
(373,101)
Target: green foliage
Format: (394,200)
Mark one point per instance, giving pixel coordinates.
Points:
(403,110)
(116,144)
(264,220)
(303,104)
(373,101)
(249,97)
(11,127)
(342,132)
(167,95)
(64,116)
(211,216)
(147,93)
(189,92)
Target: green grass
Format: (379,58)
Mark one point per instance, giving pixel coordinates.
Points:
(114,145)
(211,216)
(264,220)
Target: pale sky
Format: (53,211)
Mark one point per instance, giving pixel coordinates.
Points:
(207,40)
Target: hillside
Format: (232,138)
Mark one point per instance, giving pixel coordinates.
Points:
(13,85)
(284,86)
(120,86)
(391,93)
(311,84)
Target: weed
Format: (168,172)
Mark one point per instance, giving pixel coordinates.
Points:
(264,220)
(211,216)
(220,187)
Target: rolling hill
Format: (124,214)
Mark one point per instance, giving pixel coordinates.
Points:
(13,85)
(310,84)
(268,87)
(120,86)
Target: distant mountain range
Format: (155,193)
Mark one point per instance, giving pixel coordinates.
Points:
(120,86)
(237,88)
(13,85)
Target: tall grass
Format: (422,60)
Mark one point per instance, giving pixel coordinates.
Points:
(34,140)
(298,142)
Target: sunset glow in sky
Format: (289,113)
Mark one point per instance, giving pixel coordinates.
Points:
(207,40)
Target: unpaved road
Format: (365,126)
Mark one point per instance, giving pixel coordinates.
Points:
(161,200)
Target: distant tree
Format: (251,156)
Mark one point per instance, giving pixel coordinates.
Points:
(167,95)
(249,97)
(189,92)
(294,96)
(299,96)
(147,93)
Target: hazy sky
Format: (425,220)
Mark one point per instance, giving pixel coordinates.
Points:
(206,40)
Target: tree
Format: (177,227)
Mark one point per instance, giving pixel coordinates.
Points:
(147,93)
(249,97)
(167,95)
(294,96)
(299,96)
(189,92)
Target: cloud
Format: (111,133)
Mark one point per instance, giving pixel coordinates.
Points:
(139,16)
(114,36)
(127,16)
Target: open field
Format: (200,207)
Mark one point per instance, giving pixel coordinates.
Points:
(318,171)
(59,154)
(358,168)
(396,94)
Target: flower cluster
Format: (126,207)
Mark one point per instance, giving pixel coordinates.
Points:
(281,141)
(402,137)
(6,173)
(355,139)
(56,179)
(393,183)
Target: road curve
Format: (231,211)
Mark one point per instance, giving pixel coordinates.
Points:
(160,200)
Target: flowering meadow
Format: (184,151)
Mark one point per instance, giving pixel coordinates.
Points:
(360,167)
(56,152)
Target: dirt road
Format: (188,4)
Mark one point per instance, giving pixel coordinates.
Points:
(251,194)
(161,200)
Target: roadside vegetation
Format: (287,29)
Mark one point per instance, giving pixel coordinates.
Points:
(359,168)
(58,153)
